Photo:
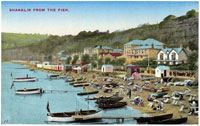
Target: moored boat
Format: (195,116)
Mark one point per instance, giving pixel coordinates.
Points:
(68,116)
(87,93)
(25,79)
(108,100)
(81,85)
(154,118)
(170,121)
(77,82)
(29,91)
(112,105)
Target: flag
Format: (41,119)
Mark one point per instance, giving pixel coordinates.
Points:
(12,85)
(48,107)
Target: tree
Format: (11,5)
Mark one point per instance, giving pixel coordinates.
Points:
(69,58)
(192,13)
(85,59)
(145,62)
(120,61)
(169,17)
(192,60)
(107,60)
(100,62)
(75,58)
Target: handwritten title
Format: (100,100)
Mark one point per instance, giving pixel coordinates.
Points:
(39,10)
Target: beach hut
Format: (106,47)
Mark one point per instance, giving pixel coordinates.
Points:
(131,69)
(136,75)
(107,68)
(162,71)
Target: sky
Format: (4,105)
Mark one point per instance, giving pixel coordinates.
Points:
(87,16)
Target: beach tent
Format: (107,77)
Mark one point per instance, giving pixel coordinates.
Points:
(77,69)
(136,75)
(162,71)
(107,68)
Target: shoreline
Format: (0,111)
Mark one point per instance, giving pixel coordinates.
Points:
(146,110)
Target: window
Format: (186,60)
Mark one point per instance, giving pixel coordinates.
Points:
(142,51)
(161,56)
(173,56)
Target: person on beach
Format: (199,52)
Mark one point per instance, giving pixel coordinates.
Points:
(129,92)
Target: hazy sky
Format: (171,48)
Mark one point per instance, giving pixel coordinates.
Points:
(88,16)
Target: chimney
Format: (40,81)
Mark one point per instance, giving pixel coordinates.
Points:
(181,45)
(188,48)
(163,46)
(152,45)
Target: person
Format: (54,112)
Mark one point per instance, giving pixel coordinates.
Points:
(129,92)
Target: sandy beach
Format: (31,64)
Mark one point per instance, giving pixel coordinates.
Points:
(168,107)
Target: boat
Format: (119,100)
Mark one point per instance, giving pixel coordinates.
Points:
(77,82)
(154,118)
(108,100)
(170,121)
(69,80)
(96,97)
(53,76)
(150,89)
(164,89)
(112,105)
(68,116)
(25,79)
(160,95)
(87,93)
(29,91)
(81,85)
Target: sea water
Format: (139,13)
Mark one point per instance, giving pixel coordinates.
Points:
(31,109)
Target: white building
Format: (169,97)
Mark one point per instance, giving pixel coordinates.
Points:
(107,68)
(162,71)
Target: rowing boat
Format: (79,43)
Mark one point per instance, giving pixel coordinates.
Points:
(87,93)
(25,79)
(29,91)
(170,121)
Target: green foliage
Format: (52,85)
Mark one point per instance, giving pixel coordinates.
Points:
(120,61)
(144,63)
(192,60)
(13,40)
(169,17)
(100,62)
(192,45)
(69,58)
(107,60)
(192,13)
(85,58)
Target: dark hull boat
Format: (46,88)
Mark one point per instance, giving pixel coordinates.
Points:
(170,121)
(112,105)
(154,118)
(87,93)
(81,85)
(161,95)
(108,100)
(77,82)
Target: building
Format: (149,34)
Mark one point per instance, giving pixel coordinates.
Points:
(137,50)
(173,56)
(111,56)
(99,49)
(162,71)
(87,50)
(107,68)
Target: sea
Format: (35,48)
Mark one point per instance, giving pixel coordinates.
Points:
(31,109)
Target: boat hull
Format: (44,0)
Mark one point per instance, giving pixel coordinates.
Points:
(25,79)
(23,92)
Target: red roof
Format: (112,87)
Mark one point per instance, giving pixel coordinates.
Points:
(113,54)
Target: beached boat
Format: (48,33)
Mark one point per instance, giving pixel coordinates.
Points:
(25,79)
(170,121)
(150,89)
(154,118)
(160,95)
(112,105)
(77,82)
(68,116)
(87,93)
(81,85)
(108,100)
(29,91)
(96,97)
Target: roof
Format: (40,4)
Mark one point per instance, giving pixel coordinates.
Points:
(145,42)
(113,54)
(177,50)
(63,58)
(161,67)
(103,47)
(107,65)
(148,47)
(130,65)
(94,53)
(117,50)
